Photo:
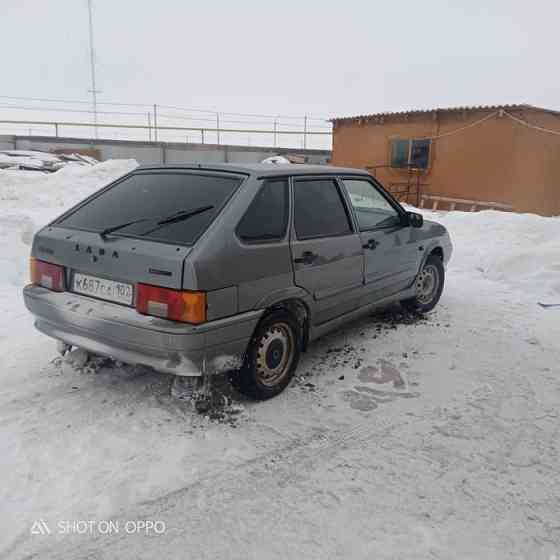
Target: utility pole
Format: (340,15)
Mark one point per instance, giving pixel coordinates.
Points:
(305,132)
(275,131)
(94,91)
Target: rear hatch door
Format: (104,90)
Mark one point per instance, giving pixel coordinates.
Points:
(139,229)
(118,258)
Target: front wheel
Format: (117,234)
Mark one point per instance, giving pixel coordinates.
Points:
(271,358)
(429,285)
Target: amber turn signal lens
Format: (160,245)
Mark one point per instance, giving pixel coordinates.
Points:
(195,307)
(33,272)
(176,305)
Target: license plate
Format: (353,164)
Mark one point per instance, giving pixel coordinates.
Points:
(102,288)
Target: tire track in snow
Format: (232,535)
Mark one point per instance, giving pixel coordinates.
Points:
(266,476)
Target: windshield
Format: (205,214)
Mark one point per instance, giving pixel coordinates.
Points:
(137,204)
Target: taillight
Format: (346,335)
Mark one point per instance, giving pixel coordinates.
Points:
(48,275)
(176,305)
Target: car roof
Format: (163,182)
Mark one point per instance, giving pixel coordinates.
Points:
(259,169)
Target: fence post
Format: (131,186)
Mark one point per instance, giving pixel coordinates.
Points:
(56,129)
(149,126)
(202,135)
(155,123)
(218,128)
(275,131)
(305,132)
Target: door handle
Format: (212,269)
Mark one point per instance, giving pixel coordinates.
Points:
(307,257)
(371,244)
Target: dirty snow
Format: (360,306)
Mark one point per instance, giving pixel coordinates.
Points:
(44,162)
(402,437)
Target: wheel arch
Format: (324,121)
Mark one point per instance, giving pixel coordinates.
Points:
(437,251)
(433,249)
(299,309)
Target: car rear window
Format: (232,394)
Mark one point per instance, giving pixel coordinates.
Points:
(156,196)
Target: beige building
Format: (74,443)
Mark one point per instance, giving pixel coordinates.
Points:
(468,158)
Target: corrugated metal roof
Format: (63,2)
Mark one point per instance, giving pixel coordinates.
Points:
(485,108)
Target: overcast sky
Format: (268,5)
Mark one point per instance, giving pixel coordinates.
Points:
(289,57)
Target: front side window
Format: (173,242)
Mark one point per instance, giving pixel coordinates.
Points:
(267,216)
(319,209)
(150,198)
(372,209)
(410,153)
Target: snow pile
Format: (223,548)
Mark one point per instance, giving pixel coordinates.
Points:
(34,160)
(276,160)
(519,250)
(29,200)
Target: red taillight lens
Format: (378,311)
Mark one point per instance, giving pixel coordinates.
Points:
(176,305)
(48,275)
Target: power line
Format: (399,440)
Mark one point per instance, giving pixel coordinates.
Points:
(533,126)
(173,107)
(475,123)
(256,115)
(233,121)
(59,110)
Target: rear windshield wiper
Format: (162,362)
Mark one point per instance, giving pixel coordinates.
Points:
(178,217)
(171,219)
(107,231)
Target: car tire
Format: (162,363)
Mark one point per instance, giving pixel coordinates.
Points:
(271,358)
(429,286)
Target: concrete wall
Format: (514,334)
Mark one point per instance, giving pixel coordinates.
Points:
(495,161)
(163,152)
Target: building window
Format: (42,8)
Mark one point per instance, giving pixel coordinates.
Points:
(406,152)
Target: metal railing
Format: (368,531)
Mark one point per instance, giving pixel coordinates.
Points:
(155,128)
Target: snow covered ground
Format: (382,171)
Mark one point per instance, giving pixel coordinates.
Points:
(400,438)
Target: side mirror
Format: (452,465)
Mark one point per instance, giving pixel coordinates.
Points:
(415,220)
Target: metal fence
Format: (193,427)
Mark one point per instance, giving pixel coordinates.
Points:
(146,152)
(167,123)
(154,131)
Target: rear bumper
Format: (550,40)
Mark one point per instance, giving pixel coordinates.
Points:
(120,332)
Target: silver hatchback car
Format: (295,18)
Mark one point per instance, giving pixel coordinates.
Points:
(197,269)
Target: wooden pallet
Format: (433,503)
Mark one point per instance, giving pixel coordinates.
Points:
(472,205)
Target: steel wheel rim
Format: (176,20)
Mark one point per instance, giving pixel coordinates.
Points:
(275,354)
(427,284)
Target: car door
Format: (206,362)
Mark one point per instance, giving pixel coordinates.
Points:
(391,255)
(327,253)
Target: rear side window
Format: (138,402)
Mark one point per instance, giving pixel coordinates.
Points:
(267,216)
(319,210)
(152,197)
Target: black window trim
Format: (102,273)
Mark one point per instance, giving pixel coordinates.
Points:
(384,193)
(242,177)
(343,198)
(268,241)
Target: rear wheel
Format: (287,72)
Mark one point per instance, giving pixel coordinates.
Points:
(271,358)
(429,285)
